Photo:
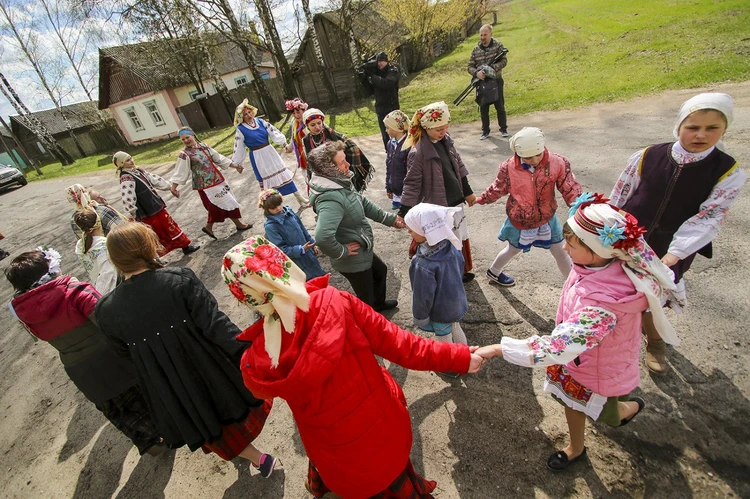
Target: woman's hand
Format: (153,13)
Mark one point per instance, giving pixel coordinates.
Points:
(399,223)
(476,363)
(239,168)
(669,260)
(288,148)
(487,352)
(471,199)
(352,248)
(174,191)
(390,195)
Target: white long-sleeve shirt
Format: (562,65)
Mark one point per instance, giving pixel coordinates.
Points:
(182,172)
(127,189)
(97,265)
(700,229)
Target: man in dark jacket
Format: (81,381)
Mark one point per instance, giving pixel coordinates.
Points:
(479,65)
(384,80)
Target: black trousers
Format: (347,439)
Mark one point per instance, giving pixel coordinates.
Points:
(383,133)
(499,104)
(369,285)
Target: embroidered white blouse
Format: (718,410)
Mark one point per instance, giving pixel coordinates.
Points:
(701,229)
(96,262)
(127,190)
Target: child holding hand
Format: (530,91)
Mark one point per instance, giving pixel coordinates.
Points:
(285,229)
(436,272)
(396,125)
(681,192)
(529,179)
(592,355)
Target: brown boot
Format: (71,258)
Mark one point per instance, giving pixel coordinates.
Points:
(656,356)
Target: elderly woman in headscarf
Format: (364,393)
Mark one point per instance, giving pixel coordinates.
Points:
(343,232)
(396,125)
(681,192)
(320,133)
(202,163)
(82,199)
(254,134)
(142,203)
(315,347)
(435,172)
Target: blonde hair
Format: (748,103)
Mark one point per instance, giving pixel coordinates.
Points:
(133,247)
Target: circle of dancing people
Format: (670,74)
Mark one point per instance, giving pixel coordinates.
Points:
(168,368)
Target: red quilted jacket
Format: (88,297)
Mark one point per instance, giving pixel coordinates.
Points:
(350,412)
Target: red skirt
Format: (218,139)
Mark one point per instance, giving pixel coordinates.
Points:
(236,436)
(408,485)
(216,214)
(169,233)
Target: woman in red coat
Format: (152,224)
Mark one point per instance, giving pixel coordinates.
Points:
(315,347)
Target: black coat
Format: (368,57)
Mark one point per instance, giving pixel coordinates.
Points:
(385,84)
(185,351)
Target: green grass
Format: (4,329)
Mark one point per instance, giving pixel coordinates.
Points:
(563,54)
(570,53)
(221,139)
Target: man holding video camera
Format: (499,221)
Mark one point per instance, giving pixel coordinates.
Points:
(490,87)
(383,78)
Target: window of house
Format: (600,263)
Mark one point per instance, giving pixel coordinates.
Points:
(241,80)
(193,94)
(130,113)
(265,75)
(153,111)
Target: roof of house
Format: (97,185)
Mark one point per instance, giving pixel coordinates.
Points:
(373,31)
(79,115)
(129,70)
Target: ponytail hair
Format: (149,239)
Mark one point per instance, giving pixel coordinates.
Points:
(88,221)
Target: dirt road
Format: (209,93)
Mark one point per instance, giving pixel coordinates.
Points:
(484,436)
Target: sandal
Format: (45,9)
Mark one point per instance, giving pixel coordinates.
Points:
(209,234)
(641,405)
(559,461)
(247,226)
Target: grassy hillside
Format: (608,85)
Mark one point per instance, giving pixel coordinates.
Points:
(563,54)
(568,53)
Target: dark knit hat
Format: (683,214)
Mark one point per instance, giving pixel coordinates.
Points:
(382,57)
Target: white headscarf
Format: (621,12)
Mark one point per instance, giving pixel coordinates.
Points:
(613,233)
(710,100)
(262,277)
(433,222)
(119,158)
(527,142)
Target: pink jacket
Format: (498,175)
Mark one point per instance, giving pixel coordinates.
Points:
(612,367)
(531,201)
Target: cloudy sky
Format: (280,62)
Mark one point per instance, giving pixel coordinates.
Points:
(31,17)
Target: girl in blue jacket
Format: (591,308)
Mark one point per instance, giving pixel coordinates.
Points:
(436,271)
(285,229)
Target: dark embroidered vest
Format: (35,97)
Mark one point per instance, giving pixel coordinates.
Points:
(148,202)
(670,193)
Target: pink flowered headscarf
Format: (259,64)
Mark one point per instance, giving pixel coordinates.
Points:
(265,279)
(613,233)
(293,104)
(79,196)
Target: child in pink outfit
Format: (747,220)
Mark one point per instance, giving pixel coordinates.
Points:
(592,355)
(529,179)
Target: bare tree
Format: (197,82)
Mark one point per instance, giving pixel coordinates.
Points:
(219,14)
(322,69)
(32,122)
(274,41)
(347,13)
(28,43)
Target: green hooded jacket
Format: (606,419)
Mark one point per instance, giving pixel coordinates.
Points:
(342,218)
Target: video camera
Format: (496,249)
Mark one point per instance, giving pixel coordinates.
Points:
(475,81)
(366,69)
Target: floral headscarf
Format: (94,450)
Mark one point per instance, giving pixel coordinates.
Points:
(397,120)
(430,116)
(262,277)
(265,195)
(293,104)
(613,233)
(79,196)
(119,159)
(313,114)
(239,113)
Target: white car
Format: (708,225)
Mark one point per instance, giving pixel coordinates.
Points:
(10,175)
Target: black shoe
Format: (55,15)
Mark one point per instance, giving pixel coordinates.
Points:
(4,254)
(244,228)
(641,405)
(468,277)
(209,234)
(387,305)
(448,374)
(559,460)
(190,249)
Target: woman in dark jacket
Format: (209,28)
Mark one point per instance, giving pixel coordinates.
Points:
(343,232)
(396,126)
(57,309)
(184,350)
(435,172)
